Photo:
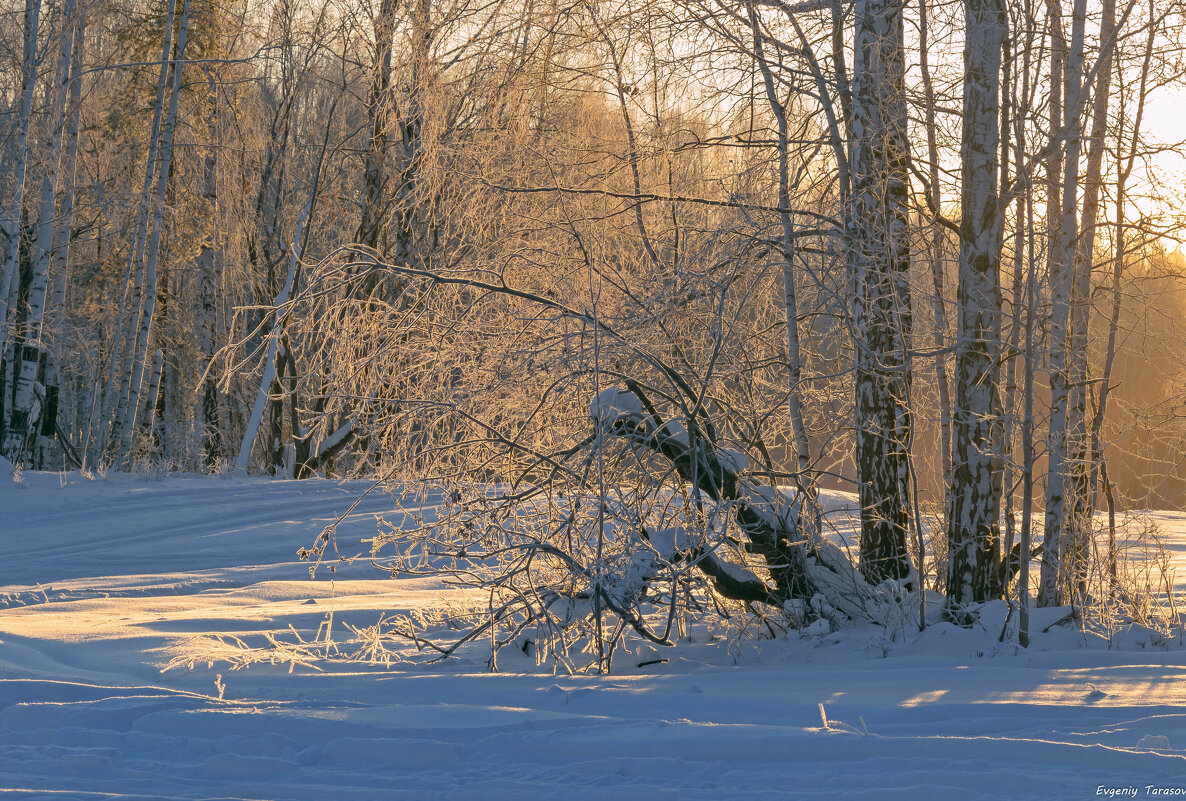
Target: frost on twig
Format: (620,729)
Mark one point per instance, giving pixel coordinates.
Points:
(646,525)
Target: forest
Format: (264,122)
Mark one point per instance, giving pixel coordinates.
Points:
(627,283)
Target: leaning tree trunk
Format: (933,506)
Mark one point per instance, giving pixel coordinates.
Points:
(974,513)
(269,377)
(777,527)
(879,262)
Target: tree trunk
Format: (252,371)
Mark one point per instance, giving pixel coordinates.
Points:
(209,423)
(1051,592)
(63,235)
(935,251)
(879,262)
(790,299)
(372,225)
(26,404)
(270,358)
(152,253)
(974,514)
(1080,457)
(12,217)
(119,375)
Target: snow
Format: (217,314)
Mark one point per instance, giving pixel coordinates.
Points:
(735,460)
(777,506)
(108,581)
(613,404)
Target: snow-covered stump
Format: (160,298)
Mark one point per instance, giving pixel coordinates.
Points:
(808,574)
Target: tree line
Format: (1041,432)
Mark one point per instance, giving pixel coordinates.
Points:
(914,250)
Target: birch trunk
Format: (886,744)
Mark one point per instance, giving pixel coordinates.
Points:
(10,268)
(1062,281)
(12,215)
(26,405)
(935,250)
(269,373)
(1077,543)
(879,262)
(63,234)
(1023,314)
(1027,434)
(790,299)
(115,395)
(152,253)
(974,513)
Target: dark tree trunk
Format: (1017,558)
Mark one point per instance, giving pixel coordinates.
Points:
(879,260)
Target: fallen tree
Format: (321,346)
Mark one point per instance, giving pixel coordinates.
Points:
(577,478)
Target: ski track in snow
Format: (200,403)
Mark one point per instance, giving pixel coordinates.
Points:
(105,581)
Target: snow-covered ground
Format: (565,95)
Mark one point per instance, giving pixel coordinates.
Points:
(105,582)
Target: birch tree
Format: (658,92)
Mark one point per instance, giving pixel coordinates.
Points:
(208,418)
(10,360)
(153,250)
(28,396)
(122,365)
(63,239)
(879,260)
(974,514)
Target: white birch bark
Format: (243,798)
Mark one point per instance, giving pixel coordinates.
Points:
(269,372)
(1077,542)
(974,511)
(879,260)
(1011,353)
(1027,433)
(63,232)
(24,416)
(153,250)
(790,300)
(12,213)
(119,375)
(1061,280)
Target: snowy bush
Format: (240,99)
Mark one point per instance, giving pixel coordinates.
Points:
(643,529)
(586,475)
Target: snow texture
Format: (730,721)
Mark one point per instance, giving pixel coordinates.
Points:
(613,404)
(107,581)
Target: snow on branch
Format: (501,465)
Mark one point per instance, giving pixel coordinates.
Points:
(804,568)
